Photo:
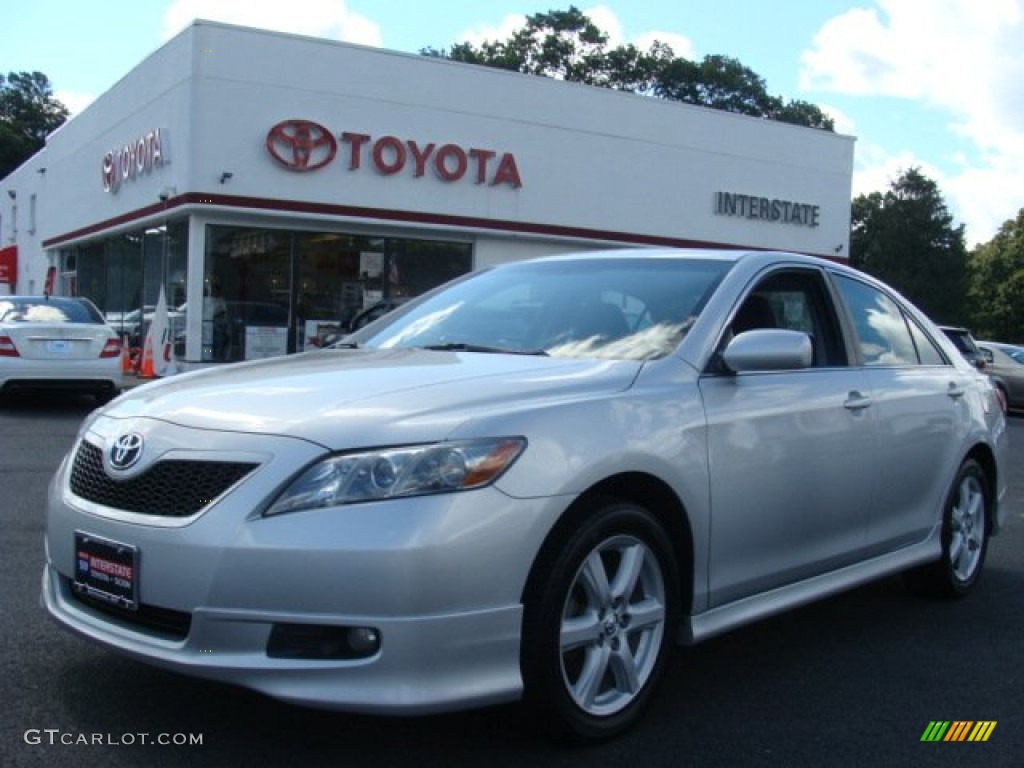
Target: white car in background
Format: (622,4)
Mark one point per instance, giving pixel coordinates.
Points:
(62,343)
(531,483)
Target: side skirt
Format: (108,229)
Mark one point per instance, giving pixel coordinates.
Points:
(702,626)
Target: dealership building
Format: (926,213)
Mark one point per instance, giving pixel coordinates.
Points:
(275,185)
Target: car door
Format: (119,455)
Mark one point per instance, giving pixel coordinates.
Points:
(919,401)
(791,453)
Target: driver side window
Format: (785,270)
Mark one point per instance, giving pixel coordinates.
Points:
(794,300)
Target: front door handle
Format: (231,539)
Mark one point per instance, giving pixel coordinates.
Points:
(855,401)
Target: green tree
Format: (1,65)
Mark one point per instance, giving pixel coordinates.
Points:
(906,237)
(996,293)
(567,45)
(28,114)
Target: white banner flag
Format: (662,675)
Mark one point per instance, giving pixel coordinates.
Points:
(159,339)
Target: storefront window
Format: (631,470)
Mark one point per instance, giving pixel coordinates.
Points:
(246,290)
(123,275)
(270,292)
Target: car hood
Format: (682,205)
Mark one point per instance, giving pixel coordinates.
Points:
(345,398)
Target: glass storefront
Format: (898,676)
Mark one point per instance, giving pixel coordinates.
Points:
(122,275)
(266,292)
(269,292)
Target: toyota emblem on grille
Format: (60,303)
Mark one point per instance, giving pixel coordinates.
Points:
(126,451)
(301,145)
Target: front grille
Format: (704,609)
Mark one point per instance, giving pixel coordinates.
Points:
(170,488)
(163,622)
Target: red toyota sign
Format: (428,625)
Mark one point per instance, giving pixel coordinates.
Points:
(9,265)
(134,159)
(302,145)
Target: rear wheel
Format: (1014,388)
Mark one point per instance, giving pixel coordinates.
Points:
(964,537)
(600,616)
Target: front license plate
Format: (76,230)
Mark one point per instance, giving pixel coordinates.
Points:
(107,570)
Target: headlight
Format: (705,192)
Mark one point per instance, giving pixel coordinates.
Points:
(388,473)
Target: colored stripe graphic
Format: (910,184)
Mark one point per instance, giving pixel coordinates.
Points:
(935,731)
(959,730)
(982,730)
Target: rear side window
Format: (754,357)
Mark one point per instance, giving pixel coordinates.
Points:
(926,349)
(886,336)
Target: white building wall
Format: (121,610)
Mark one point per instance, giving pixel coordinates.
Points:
(596,166)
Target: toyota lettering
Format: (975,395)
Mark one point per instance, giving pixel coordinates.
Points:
(302,145)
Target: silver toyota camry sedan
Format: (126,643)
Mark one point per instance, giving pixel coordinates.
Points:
(530,484)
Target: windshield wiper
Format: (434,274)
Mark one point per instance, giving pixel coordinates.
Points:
(463,347)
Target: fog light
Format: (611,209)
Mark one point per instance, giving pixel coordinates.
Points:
(363,640)
(319,641)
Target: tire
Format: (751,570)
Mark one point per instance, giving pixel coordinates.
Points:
(965,527)
(601,613)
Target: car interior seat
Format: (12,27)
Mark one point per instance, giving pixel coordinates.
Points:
(755,313)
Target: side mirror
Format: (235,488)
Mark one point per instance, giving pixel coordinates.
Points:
(768,350)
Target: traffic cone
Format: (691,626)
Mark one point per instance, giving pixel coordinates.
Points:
(126,356)
(147,360)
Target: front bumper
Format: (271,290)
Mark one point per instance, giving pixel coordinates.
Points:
(425,664)
(439,578)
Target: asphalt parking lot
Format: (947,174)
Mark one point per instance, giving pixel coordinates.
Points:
(851,681)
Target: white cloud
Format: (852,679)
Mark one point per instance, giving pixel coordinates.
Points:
(74,101)
(318,18)
(981,198)
(985,197)
(681,45)
(604,18)
(844,124)
(961,57)
(483,33)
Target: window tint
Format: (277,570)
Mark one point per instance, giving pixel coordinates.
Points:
(883,333)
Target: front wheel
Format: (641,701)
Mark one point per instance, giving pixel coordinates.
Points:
(600,615)
(964,537)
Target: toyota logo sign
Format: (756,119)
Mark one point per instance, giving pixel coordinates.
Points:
(301,145)
(126,451)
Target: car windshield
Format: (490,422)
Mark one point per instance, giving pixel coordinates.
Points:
(16,309)
(630,309)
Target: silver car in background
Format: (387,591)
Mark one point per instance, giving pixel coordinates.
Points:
(530,483)
(1004,364)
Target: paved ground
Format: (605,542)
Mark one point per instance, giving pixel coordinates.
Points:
(851,681)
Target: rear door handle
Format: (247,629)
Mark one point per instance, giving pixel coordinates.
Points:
(855,401)
(955,391)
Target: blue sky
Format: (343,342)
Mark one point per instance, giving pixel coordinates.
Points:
(937,84)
